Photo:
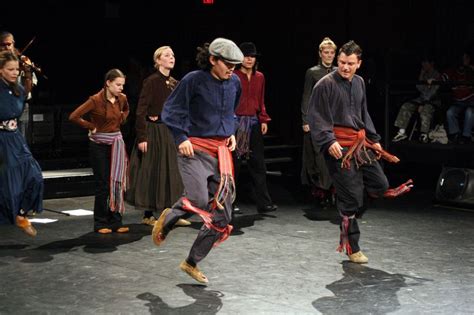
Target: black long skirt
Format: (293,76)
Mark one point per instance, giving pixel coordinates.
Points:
(155,181)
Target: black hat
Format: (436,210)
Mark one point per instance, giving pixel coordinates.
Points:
(249,49)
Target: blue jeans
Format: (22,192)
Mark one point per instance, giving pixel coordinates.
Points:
(453,114)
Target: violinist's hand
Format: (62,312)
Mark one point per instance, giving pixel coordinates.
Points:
(231,143)
(264,128)
(335,150)
(186,148)
(26,63)
(142,146)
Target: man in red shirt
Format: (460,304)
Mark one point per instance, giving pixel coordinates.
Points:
(252,119)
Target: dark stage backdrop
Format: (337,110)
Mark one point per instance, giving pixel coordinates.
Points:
(76,42)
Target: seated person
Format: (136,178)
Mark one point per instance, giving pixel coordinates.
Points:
(426,103)
(463,102)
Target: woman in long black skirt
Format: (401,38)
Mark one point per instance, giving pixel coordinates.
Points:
(155,181)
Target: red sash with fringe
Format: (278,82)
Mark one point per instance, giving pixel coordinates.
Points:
(358,143)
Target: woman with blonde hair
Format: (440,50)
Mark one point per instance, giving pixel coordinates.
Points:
(314,172)
(155,181)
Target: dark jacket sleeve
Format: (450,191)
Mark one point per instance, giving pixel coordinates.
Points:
(307,90)
(142,109)
(320,116)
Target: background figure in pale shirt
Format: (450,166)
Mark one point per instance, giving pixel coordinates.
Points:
(314,172)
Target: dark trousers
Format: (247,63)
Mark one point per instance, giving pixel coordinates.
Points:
(100,159)
(314,171)
(201,180)
(256,167)
(351,185)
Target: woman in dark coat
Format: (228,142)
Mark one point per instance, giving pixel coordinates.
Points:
(155,181)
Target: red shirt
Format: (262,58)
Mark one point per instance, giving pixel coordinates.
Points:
(461,74)
(252,100)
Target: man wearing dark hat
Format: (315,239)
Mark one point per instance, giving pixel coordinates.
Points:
(253,119)
(200,114)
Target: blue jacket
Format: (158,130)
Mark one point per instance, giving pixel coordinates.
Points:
(202,106)
(11,106)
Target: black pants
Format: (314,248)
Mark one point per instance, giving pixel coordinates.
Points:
(100,159)
(256,167)
(351,185)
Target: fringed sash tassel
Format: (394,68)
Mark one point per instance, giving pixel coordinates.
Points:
(344,244)
(207,219)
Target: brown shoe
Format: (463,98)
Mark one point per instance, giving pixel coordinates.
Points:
(149,221)
(23,223)
(358,258)
(157,234)
(182,222)
(123,229)
(194,272)
(104,231)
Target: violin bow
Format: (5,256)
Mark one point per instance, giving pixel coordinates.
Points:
(28,45)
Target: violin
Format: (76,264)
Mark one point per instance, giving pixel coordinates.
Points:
(28,64)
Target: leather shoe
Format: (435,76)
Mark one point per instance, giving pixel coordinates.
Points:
(268,208)
(182,222)
(123,229)
(358,258)
(194,272)
(25,225)
(104,231)
(149,221)
(157,234)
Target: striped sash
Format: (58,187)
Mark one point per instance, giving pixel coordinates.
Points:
(118,167)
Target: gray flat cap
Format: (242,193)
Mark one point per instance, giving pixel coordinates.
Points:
(227,50)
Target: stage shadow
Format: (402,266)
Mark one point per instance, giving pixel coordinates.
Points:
(364,290)
(319,214)
(206,301)
(92,242)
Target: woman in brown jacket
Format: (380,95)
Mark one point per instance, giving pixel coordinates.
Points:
(155,181)
(107,110)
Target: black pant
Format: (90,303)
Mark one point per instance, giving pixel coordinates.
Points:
(256,167)
(351,185)
(100,159)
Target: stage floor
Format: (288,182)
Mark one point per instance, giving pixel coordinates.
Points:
(421,261)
